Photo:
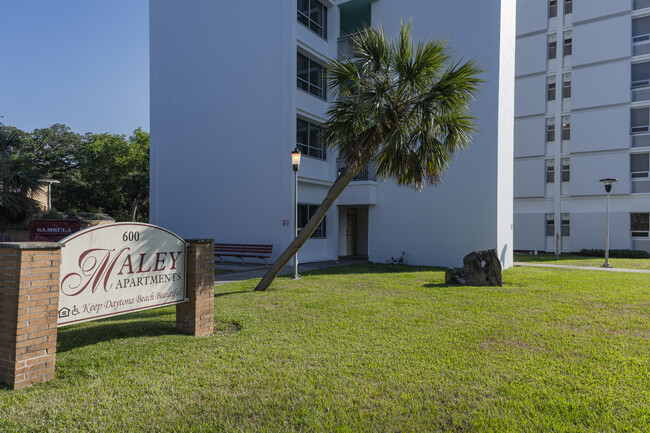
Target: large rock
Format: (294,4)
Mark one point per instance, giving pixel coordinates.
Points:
(480,268)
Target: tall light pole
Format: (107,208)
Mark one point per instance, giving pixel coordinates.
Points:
(608,188)
(295,161)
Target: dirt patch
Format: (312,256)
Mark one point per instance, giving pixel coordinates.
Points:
(226,327)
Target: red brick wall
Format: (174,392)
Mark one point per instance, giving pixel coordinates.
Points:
(29,302)
(196,317)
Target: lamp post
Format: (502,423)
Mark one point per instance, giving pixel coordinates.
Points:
(608,188)
(295,161)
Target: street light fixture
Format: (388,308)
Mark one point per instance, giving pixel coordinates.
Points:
(295,161)
(608,182)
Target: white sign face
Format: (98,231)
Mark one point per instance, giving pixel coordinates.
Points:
(119,268)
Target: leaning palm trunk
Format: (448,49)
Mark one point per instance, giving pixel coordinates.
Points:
(403,105)
(335,190)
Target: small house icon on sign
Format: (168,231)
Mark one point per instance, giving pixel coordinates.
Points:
(64,312)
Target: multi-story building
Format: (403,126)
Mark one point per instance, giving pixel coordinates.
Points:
(236,85)
(581,115)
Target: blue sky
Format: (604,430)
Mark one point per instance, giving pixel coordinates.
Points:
(84,63)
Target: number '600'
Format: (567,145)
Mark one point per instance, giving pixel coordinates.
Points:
(130,236)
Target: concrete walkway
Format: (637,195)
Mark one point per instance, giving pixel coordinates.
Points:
(583,268)
(239,272)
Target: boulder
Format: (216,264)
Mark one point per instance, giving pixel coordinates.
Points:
(480,268)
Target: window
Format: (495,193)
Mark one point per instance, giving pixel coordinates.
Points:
(550,130)
(550,171)
(552,50)
(308,139)
(566,128)
(565,230)
(552,9)
(639,165)
(566,86)
(641,29)
(550,225)
(313,15)
(568,6)
(640,74)
(310,76)
(639,120)
(566,170)
(550,89)
(640,225)
(305,212)
(568,45)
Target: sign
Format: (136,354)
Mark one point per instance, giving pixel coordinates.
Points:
(52,230)
(119,268)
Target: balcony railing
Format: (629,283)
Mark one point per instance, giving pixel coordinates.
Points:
(640,185)
(641,45)
(640,4)
(640,140)
(641,94)
(366,173)
(347,47)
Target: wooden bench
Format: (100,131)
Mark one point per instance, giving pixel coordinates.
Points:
(243,250)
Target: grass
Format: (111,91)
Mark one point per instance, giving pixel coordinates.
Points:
(364,348)
(576,260)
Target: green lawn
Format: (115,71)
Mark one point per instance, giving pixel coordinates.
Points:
(575,260)
(374,348)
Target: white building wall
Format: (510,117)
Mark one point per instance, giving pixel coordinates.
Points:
(530,94)
(531,54)
(601,40)
(530,133)
(603,84)
(588,169)
(600,129)
(531,16)
(449,230)
(598,113)
(211,142)
(589,9)
(529,231)
(224,107)
(529,177)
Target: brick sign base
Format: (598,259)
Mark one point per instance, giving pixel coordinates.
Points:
(29,301)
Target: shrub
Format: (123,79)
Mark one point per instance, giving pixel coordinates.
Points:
(617,254)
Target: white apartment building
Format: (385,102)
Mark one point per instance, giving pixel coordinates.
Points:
(236,85)
(582,114)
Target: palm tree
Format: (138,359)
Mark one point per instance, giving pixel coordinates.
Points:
(401,105)
(19,182)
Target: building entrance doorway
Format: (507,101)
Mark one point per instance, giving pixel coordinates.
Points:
(353,231)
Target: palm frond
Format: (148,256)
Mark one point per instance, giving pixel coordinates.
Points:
(402,104)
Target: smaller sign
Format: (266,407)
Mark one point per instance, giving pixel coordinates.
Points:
(52,230)
(120,268)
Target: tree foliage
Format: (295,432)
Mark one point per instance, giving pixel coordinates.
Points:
(97,172)
(19,181)
(404,106)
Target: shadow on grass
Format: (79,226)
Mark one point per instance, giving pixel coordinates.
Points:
(550,258)
(5,387)
(370,268)
(217,295)
(440,285)
(70,338)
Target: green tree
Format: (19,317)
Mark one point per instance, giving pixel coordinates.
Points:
(19,181)
(55,152)
(402,105)
(114,172)
(135,186)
